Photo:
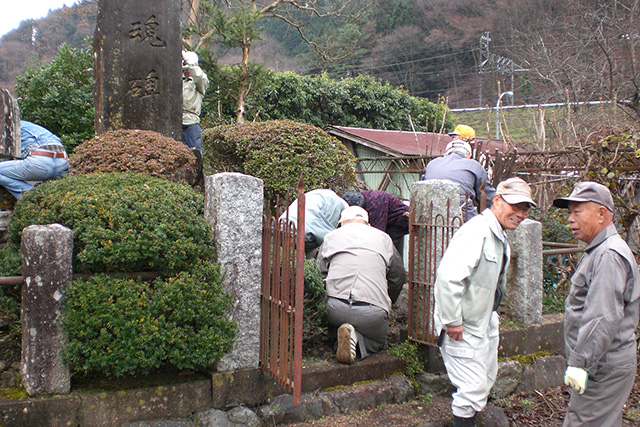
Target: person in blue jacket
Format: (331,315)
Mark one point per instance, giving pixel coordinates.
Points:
(42,157)
(458,166)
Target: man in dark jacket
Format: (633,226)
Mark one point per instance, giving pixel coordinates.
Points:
(458,166)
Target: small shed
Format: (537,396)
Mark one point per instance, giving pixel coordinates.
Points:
(391,160)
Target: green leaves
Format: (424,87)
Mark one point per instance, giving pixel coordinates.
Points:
(121,221)
(122,327)
(278,152)
(59,96)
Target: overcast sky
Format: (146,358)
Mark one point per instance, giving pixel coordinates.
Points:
(16,11)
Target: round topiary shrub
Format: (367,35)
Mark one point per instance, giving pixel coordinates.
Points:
(122,222)
(123,327)
(278,152)
(138,151)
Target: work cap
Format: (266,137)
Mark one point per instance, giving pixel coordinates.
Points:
(465,132)
(587,192)
(353,199)
(354,212)
(514,191)
(458,146)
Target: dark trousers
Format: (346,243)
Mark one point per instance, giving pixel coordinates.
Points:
(370,322)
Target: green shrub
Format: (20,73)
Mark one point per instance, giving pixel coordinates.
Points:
(121,327)
(10,298)
(278,152)
(409,353)
(137,151)
(58,96)
(315,295)
(121,221)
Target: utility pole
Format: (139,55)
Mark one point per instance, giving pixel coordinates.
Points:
(499,63)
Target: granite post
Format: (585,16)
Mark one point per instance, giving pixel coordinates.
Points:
(233,208)
(439,200)
(436,209)
(47,270)
(523,297)
(9,125)
(138,66)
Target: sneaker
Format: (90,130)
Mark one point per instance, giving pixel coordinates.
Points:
(347,343)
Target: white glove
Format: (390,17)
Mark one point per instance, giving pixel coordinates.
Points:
(576,378)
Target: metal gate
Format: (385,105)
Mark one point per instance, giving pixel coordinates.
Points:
(429,237)
(281,298)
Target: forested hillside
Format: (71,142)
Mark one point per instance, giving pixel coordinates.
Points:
(468,51)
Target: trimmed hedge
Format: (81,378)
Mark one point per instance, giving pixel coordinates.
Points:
(278,152)
(121,222)
(138,151)
(122,327)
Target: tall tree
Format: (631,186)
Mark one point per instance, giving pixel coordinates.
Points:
(589,54)
(234,24)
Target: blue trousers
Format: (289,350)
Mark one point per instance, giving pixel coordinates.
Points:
(192,136)
(14,174)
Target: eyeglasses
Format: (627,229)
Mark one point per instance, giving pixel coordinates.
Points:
(519,207)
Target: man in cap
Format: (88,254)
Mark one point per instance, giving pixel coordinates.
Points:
(457,165)
(364,276)
(601,312)
(386,212)
(194,85)
(469,285)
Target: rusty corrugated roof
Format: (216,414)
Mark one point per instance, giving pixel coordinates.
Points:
(403,143)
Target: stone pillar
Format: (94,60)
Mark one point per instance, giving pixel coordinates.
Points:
(47,252)
(436,207)
(138,66)
(523,300)
(233,208)
(9,125)
(444,197)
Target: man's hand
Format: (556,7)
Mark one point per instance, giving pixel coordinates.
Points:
(576,378)
(455,332)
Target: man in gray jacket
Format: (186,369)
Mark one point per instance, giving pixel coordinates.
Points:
(469,283)
(601,312)
(364,275)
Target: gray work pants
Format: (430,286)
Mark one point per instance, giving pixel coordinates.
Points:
(607,392)
(370,322)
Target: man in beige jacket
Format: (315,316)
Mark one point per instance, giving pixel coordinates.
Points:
(468,290)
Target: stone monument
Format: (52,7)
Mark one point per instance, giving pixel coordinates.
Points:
(9,125)
(138,77)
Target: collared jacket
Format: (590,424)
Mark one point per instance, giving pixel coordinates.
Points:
(322,209)
(386,212)
(193,90)
(361,264)
(469,273)
(33,136)
(601,310)
(468,173)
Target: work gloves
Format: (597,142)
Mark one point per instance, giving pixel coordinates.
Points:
(576,378)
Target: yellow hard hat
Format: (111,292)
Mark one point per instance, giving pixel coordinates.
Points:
(465,132)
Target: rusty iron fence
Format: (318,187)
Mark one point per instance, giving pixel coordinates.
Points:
(429,236)
(281,298)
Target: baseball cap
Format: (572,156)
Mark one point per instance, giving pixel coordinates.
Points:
(354,212)
(514,191)
(587,191)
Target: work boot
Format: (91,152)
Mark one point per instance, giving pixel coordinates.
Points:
(464,422)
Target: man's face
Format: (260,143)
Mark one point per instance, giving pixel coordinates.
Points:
(509,216)
(586,220)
